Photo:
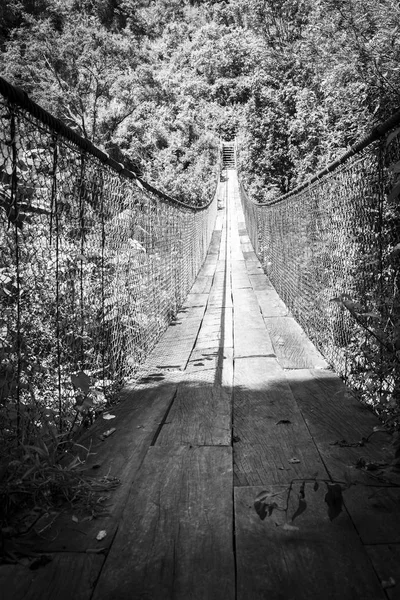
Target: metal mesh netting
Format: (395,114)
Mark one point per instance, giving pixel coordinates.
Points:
(93,267)
(332,252)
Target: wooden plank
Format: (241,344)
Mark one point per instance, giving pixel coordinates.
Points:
(250,255)
(260,282)
(176,534)
(343,463)
(292,347)
(195,300)
(331,412)
(216,328)
(240,280)
(215,243)
(137,419)
(201,414)
(66,576)
(270,303)
(202,285)
(254,268)
(262,398)
(265,464)
(250,340)
(320,560)
(386,561)
(375,513)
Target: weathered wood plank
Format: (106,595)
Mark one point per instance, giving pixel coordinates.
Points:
(240,280)
(195,300)
(259,282)
(250,335)
(215,243)
(250,256)
(321,559)
(65,577)
(176,534)
(270,303)
(202,285)
(386,561)
(375,513)
(250,340)
(137,419)
(216,328)
(292,347)
(331,412)
(201,414)
(262,398)
(265,464)
(254,268)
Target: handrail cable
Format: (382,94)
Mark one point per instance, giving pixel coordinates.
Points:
(20,97)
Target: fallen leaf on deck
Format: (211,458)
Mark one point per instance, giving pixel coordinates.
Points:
(391,582)
(101,535)
(294,461)
(288,527)
(107,433)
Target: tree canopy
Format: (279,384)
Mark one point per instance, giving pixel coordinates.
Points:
(158,82)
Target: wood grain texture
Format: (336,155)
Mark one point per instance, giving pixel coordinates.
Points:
(254,268)
(67,576)
(292,347)
(202,285)
(270,303)
(201,414)
(375,513)
(322,560)
(331,412)
(262,398)
(260,281)
(137,419)
(386,561)
(195,300)
(176,534)
(250,335)
(265,464)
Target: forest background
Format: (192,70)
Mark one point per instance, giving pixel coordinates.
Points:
(158,83)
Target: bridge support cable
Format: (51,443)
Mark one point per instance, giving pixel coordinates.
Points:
(331,248)
(94,264)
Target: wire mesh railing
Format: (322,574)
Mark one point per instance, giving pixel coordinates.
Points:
(331,249)
(94,264)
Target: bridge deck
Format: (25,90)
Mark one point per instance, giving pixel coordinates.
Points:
(236,401)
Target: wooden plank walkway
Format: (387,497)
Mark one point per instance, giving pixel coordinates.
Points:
(236,401)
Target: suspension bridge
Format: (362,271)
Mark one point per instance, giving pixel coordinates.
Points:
(247,468)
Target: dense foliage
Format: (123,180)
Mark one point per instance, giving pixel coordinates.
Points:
(297,81)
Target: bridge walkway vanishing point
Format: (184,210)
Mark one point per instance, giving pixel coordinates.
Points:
(236,401)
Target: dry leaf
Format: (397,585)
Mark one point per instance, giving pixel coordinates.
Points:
(101,535)
(288,527)
(391,582)
(108,417)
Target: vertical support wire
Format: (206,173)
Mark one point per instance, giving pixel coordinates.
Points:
(13,215)
(54,208)
(102,278)
(82,246)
